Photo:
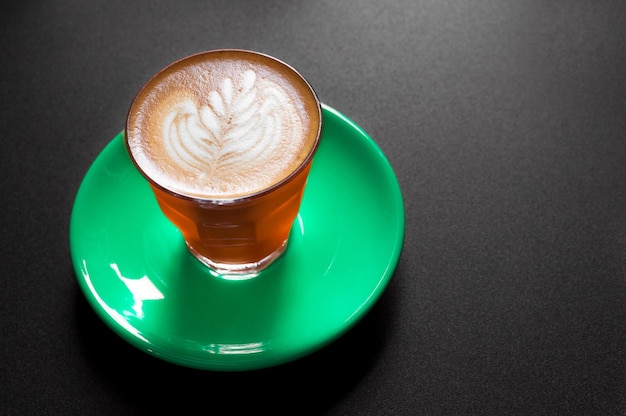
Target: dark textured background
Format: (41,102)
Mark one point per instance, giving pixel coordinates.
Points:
(505,122)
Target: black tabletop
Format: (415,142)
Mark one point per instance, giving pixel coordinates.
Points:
(505,124)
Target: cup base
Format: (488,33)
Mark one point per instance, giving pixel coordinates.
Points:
(239,271)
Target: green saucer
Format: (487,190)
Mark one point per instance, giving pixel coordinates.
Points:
(135,270)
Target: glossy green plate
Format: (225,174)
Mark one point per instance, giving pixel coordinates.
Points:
(137,274)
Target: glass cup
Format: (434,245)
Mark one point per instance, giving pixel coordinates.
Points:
(194,109)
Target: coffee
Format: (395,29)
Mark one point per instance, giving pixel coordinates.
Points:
(223,125)
(226,139)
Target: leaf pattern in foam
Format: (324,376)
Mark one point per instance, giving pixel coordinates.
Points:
(234,131)
(188,142)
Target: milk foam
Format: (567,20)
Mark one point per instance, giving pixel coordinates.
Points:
(239,136)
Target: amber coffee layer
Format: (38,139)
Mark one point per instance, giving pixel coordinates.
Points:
(223,124)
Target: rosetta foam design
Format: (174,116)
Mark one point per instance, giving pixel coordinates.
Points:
(221,130)
(234,132)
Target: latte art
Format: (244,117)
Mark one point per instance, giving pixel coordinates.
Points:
(235,137)
(223,125)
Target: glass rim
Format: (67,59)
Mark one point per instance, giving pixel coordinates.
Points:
(249,196)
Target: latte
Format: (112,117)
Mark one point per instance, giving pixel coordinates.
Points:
(222,125)
(226,140)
